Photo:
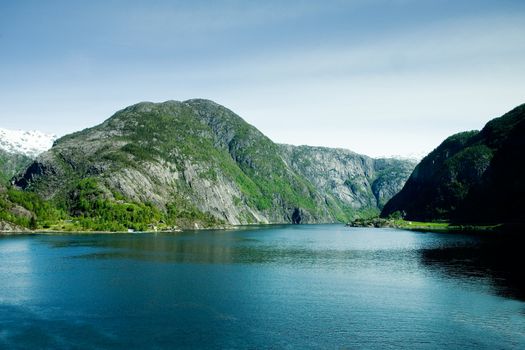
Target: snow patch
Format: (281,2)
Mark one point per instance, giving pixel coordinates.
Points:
(30,143)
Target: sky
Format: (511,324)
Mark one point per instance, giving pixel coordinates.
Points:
(378,77)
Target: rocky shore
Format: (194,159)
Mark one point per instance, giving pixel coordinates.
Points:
(8,227)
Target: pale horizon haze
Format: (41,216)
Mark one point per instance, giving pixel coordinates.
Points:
(377,77)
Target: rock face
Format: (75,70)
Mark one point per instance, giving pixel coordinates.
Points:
(12,212)
(11,164)
(476,177)
(348,181)
(201,155)
(8,227)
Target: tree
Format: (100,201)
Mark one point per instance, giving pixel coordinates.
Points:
(32,223)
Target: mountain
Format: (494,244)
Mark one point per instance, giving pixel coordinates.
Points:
(27,143)
(474,177)
(348,181)
(196,163)
(12,164)
(18,148)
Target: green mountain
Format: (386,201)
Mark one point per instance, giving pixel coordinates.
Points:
(15,215)
(11,164)
(197,164)
(474,177)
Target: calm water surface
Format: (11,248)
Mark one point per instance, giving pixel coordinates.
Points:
(279,287)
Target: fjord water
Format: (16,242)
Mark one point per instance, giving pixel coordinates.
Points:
(319,286)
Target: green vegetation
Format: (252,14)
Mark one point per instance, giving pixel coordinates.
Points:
(88,209)
(472,177)
(28,209)
(93,211)
(417,225)
(345,213)
(218,145)
(423,226)
(186,164)
(11,164)
(183,214)
(250,159)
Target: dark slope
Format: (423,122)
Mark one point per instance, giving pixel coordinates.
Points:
(475,177)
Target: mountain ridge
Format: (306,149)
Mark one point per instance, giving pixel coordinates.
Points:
(473,177)
(195,162)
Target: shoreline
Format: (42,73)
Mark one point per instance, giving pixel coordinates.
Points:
(438,227)
(69,232)
(178,230)
(26,231)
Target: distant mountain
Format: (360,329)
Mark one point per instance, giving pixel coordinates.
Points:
(18,148)
(347,180)
(476,177)
(198,163)
(12,164)
(27,143)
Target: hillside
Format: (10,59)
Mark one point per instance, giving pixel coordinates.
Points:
(348,181)
(197,164)
(11,164)
(18,148)
(475,177)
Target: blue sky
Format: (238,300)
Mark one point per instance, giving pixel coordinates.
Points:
(378,77)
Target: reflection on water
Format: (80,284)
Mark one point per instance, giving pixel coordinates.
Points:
(500,260)
(320,286)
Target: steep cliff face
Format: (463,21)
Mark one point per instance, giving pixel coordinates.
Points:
(390,177)
(471,177)
(196,159)
(348,181)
